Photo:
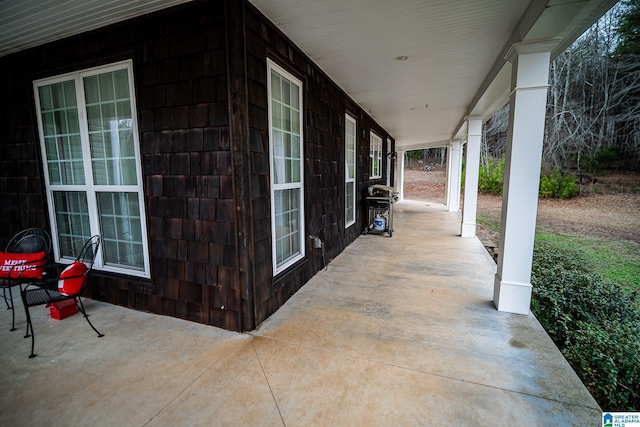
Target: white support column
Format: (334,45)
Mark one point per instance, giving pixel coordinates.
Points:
(472,167)
(400,166)
(529,83)
(454,172)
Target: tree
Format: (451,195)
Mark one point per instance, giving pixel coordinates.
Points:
(593,105)
(629,29)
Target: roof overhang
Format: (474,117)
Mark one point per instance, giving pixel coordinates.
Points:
(455,63)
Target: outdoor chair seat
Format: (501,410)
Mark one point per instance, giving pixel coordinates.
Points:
(38,296)
(69,285)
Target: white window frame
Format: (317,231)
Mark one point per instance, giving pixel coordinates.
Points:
(90,188)
(389,162)
(375,153)
(272,66)
(350,159)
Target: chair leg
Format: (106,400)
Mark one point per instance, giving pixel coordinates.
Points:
(29,327)
(13,311)
(4,295)
(86,316)
(33,341)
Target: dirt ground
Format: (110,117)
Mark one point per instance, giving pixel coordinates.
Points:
(607,209)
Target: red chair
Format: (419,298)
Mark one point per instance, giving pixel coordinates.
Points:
(23,260)
(69,285)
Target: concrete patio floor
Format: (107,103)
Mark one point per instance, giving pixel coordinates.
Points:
(396,331)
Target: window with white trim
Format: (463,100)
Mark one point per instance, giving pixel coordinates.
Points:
(375,153)
(92,169)
(286,167)
(350,171)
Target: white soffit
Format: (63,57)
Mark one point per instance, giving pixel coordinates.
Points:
(29,23)
(450,48)
(455,53)
(455,49)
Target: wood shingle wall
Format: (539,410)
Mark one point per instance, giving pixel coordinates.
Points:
(200,78)
(325,105)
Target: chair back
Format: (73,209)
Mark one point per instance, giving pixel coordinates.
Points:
(31,240)
(89,252)
(74,278)
(26,256)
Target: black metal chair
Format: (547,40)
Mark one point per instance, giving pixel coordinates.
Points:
(24,260)
(69,285)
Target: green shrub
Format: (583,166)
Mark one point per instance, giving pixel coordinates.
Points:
(594,323)
(552,184)
(490,176)
(557,184)
(603,159)
(607,358)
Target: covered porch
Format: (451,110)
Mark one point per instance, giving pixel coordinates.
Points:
(395,331)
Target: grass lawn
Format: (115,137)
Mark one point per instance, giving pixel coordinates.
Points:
(615,260)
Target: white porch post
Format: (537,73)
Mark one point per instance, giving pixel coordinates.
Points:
(454,172)
(472,167)
(529,82)
(400,166)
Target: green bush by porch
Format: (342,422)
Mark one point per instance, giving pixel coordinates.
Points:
(553,183)
(594,321)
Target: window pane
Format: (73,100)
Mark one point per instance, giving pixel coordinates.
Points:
(295,97)
(61,129)
(126,143)
(57,94)
(111,129)
(46,101)
(295,170)
(121,84)
(295,122)
(287,224)
(94,118)
(128,170)
(91,90)
(105,87)
(286,119)
(375,152)
(109,118)
(48,124)
(286,92)
(276,115)
(69,88)
(51,148)
(278,158)
(72,218)
(275,86)
(121,229)
(349,207)
(350,129)
(295,147)
(124,110)
(73,122)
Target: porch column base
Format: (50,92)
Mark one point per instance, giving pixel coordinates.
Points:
(512,297)
(468,230)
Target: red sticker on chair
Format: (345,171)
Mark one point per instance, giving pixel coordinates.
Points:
(15,265)
(72,278)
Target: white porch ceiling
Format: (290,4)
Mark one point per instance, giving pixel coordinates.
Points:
(456,53)
(455,48)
